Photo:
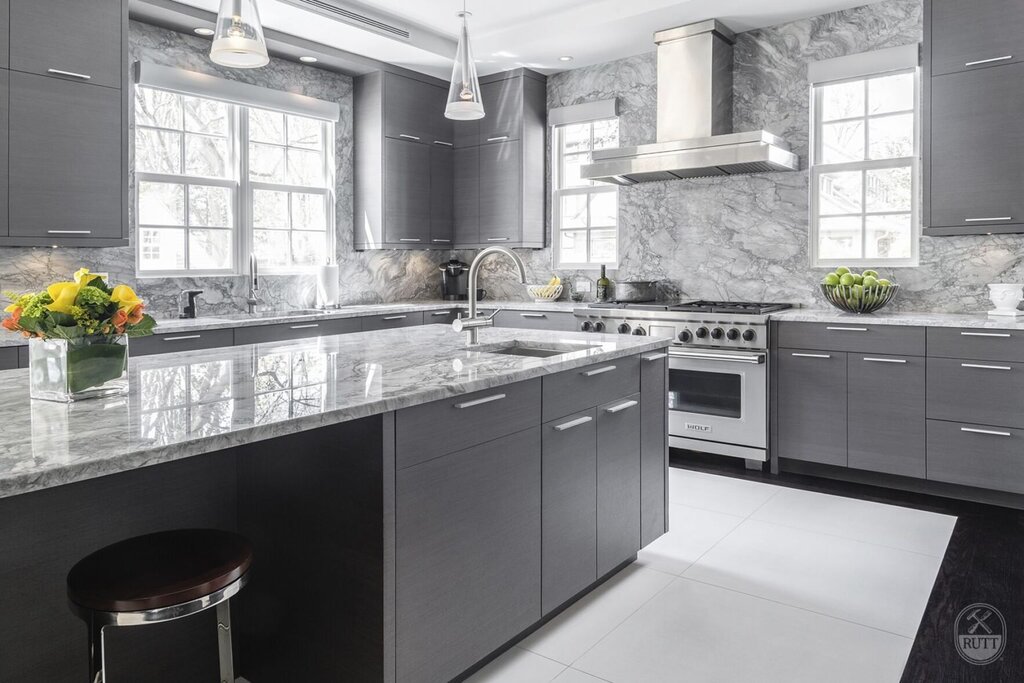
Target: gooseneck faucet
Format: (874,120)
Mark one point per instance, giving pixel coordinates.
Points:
(253,299)
(471,325)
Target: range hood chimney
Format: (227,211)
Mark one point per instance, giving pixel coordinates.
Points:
(695,137)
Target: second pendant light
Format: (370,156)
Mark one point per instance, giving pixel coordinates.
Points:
(464,103)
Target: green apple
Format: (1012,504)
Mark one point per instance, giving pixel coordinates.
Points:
(831,279)
(858,279)
(847,279)
(883,282)
(870,280)
(872,273)
(842,270)
(857,292)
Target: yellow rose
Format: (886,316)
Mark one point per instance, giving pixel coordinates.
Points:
(11,308)
(63,295)
(84,277)
(125,298)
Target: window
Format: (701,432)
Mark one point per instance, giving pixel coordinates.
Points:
(216,181)
(864,171)
(585,221)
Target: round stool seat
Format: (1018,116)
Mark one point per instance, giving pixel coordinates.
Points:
(158,570)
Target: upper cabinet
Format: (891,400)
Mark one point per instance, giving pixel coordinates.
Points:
(976,34)
(973,146)
(65,150)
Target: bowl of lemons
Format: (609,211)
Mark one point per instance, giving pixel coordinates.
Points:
(544,293)
(852,292)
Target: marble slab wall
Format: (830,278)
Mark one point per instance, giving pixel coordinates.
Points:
(746,237)
(367,277)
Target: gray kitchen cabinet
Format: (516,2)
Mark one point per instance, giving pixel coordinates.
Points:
(407,206)
(569,507)
(886,413)
(467,195)
(618,482)
(974,35)
(467,555)
(986,392)
(573,390)
(442,196)
(977,344)
(976,455)
(4,112)
(67,181)
(500,196)
(5,33)
(414,110)
(653,447)
(536,320)
(22,356)
(853,336)
(391,320)
(441,317)
(8,357)
(82,41)
(975,152)
(261,334)
(503,102)
(186,340)
(812,406)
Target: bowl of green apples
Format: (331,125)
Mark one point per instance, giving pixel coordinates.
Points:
(852,292)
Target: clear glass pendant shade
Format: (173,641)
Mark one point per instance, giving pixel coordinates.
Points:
(238,41)
(464,103)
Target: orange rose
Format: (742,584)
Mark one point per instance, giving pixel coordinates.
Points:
(12,322)
(119,320)
(135,317)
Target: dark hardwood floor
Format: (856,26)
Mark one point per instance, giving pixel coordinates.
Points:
(984,563)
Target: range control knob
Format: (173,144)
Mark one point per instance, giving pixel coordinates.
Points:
(598,326)
(749,335)
(639,332)
(624,328)
(702,332)
(685,336)
(733,334)
(717,333)
(586,326)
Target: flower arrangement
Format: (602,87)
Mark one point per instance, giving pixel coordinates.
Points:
(86,307)
(77,334)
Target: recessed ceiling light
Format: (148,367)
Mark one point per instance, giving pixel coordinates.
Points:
(203,31)
(308,59)
(565,58)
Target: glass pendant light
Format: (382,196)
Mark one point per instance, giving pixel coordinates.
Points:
(464,103)
(238,42)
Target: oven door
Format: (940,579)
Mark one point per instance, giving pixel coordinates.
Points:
(719,397)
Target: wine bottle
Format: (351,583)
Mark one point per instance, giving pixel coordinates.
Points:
(603,284)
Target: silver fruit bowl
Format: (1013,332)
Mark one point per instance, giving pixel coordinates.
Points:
(858,299)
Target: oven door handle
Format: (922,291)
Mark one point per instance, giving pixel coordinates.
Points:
(755,359)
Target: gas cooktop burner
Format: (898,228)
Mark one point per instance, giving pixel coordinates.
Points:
(745,307)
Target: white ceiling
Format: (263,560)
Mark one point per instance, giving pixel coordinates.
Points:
(533,33)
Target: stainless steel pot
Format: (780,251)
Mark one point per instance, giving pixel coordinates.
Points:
(636,290)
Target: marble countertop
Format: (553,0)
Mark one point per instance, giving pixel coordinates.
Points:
(190,403)
(908,318)
(214,322)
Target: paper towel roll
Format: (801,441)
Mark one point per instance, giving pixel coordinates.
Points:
(327,286)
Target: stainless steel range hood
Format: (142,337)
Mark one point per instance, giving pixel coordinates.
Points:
(695,137)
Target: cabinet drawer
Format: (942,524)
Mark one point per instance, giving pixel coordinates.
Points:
(297,330)
(440,317)
(386,322)
(853,336)
(180,341)
(972,35)
(575,390)
(976,391)
(433,429)
(976,455)
(536,320)
(949,342)
(22,356)
(8,358)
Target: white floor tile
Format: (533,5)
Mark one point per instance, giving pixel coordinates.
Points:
(574,676)
(700,633)
(890,525)
(518,666)
(720,494)
(692,532)
(575,630)
(867,584)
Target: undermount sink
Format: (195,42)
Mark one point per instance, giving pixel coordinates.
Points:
(535,349)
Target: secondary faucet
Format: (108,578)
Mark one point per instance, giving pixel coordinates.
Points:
(471,325)
(187,307)
(253,298)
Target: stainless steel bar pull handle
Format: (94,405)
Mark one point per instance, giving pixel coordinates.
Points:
(599,371)
(654,356)
(811,355)
(573,423)
(497,239)
(755,359)
(533,315)
(408,137)
(986,367)
(440,313)
(988,219)
(847,329)
(183,337)
(622,406)
(438,239)
(395,317)
(497,138)
(442,142)
(479,401)
(1004,335)
(69,74)
(304,327)
(984,431)
(885,360)
(989,60)
(408,239)
(69,232)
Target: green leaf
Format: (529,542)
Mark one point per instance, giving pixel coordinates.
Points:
(62,319)
(142,328)
(92,365)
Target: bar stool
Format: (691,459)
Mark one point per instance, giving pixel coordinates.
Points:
(159,577)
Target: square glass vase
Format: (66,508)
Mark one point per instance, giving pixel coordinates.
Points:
(67,370)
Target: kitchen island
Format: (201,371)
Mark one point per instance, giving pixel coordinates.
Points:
(415,505)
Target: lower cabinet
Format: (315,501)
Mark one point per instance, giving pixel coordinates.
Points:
(391,320)
(536,320)
(9,358)
(653,446)
(261,334)
(976,455)
(468,555)
(886,396)
(172,342)
(812,419)
(618,482)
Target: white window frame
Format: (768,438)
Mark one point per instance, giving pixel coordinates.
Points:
(557,192)
(817,168)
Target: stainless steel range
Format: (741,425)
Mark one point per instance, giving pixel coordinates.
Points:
(718,369)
